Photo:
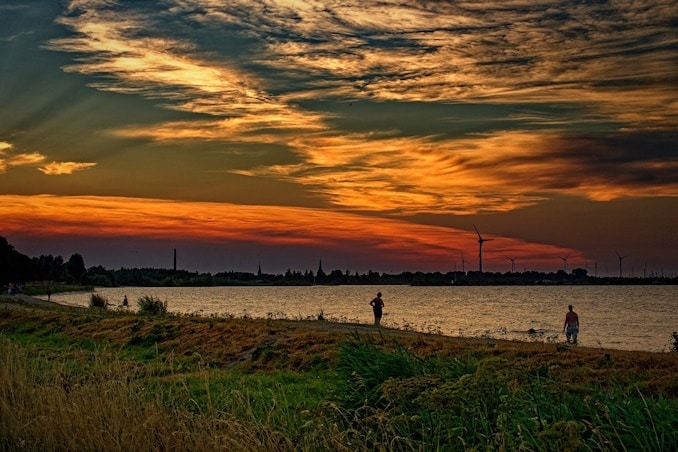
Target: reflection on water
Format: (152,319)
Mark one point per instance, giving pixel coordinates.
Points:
(617,317)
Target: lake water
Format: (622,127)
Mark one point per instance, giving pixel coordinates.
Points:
(615,317)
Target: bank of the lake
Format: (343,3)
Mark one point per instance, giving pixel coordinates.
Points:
(75,379)
(618,317)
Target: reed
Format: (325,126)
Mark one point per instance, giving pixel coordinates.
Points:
(98,301)
(151,305)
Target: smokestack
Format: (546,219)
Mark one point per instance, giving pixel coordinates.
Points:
(175,260)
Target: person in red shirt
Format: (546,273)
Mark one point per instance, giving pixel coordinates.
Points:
(571,326)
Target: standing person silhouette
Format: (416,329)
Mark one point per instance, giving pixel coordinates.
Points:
(377,306)
(571,326)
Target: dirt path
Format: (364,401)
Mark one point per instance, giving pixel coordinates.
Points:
(21,301)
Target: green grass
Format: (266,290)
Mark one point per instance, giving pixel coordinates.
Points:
(97,401)
(488,404)
(67,384)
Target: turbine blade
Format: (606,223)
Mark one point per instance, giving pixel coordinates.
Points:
(477,232)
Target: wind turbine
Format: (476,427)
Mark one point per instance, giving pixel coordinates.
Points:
(565,262)
(481,240)
(621,258)
(513,263)
(463,261)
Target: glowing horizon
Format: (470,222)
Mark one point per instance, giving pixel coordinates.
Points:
(401,244)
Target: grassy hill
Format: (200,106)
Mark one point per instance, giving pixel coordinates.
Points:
(92,379)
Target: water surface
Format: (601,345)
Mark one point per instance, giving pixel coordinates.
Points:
(616,317)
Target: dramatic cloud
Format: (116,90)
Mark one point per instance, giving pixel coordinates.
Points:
(162,67)
(498,172)
(450,51)
(491,53)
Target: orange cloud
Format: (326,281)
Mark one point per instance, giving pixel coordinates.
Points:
(496,172)
(394,241)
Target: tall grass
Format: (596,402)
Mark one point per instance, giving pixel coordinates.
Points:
(47,403)
(380,396)
(395,400)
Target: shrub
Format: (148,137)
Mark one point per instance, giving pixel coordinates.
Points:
(675,342)
(98,301)
(151,305)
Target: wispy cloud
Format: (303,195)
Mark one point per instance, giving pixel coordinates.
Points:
(25,159)
(34,159)
(448,51)
(13,7)
(492,173)
(10,158)
(15,36)
(487,53)
(59,168)
(117,45)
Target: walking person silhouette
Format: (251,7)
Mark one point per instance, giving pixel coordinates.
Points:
(377,306)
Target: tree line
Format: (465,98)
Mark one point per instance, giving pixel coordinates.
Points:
(18,268)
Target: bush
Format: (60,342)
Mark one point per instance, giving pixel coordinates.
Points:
(98,301)
(151,305)
(675,342)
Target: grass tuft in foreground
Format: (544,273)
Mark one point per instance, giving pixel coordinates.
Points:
(151,305)
(98,301)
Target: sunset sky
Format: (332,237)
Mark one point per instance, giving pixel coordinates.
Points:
(371,135)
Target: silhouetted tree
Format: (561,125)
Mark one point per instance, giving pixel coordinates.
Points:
(75,268)
(49,268)
(14,266)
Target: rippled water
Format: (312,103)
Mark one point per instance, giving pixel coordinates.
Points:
(616,317)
